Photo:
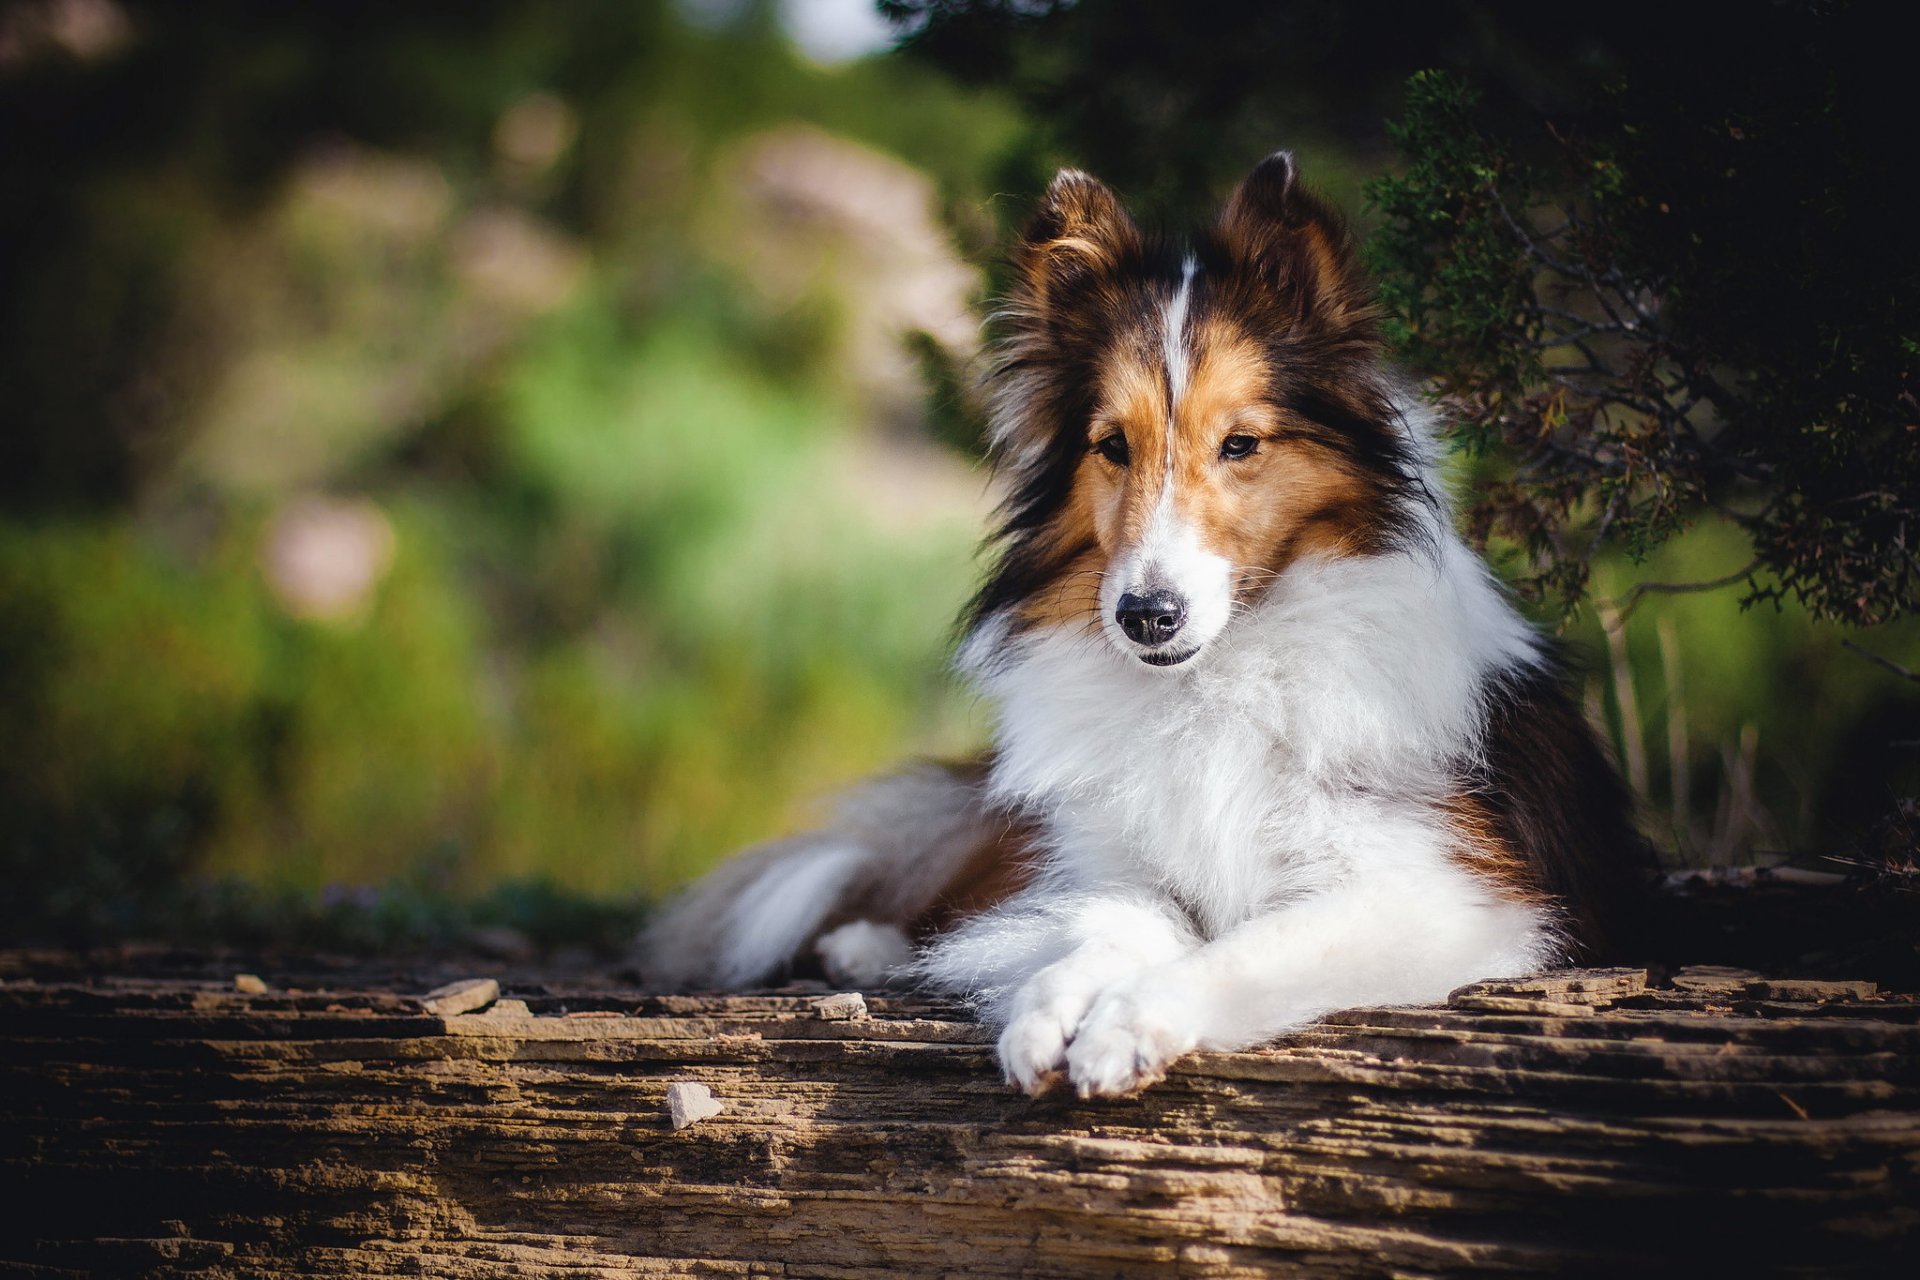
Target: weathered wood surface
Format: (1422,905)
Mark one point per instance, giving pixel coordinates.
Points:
(1587,1123)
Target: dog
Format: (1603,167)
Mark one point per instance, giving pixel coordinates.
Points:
(1270,740)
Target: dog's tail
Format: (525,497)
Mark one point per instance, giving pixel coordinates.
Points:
(904,856)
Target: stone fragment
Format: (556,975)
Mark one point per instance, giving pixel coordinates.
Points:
(249,984)
(845,1006)
(1713,979)
(689,1103)
(461,997)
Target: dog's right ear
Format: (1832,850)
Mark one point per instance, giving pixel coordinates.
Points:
(1078,236)
(1295,242)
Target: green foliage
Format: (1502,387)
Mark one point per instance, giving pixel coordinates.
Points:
(1755,778)
(1452,273)
(1684,308)
(114,775)
(1697,303)
(640,644)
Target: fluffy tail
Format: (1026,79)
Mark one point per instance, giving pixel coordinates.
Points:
(904,856)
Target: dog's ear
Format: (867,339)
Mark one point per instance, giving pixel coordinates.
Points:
(1077,237)
(1288,237)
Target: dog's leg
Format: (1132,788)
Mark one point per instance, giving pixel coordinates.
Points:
(1037,964)
(1368,941)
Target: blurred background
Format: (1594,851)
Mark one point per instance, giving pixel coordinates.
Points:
(468,467)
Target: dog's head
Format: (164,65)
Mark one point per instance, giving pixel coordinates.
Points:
(1184,422)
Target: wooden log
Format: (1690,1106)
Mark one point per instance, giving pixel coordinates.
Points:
(170,1124)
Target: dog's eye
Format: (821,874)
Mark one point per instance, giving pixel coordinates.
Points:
(1113,448)
(1238,446)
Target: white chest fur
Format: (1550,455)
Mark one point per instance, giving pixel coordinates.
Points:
(1309,743)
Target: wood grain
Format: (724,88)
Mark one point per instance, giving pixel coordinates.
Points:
(159,1122)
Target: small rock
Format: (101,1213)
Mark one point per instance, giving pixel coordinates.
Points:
(249,984)
(509,1009)
(461,997)
(1714,979)
(846,1006)
(689,1103)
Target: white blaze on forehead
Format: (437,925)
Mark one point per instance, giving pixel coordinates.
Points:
(1173,349)
(1173,345)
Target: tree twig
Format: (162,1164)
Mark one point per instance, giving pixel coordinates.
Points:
(1904,672)
(1626,604)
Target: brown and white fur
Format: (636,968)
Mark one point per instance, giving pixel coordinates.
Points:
(1270,740)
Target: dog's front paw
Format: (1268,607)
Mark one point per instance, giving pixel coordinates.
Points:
(1129,1039)
(1033,1051)
(1033,1048)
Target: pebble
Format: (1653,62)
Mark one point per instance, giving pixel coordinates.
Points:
(249,984)
(689,1103)
(847,1006)
(461,997)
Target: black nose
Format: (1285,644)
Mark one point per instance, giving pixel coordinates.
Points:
(1154,618)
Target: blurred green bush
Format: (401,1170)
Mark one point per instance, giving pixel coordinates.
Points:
(514,496)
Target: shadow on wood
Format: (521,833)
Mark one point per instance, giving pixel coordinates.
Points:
(168,1121)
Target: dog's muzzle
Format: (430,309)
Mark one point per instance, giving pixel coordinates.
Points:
(1150,621)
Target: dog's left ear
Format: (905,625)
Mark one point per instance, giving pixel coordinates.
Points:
(1295,241)
(1076,238)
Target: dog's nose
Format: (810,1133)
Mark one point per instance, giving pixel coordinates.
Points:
(1154,618)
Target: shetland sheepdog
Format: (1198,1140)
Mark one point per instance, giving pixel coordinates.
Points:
(1270,741)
